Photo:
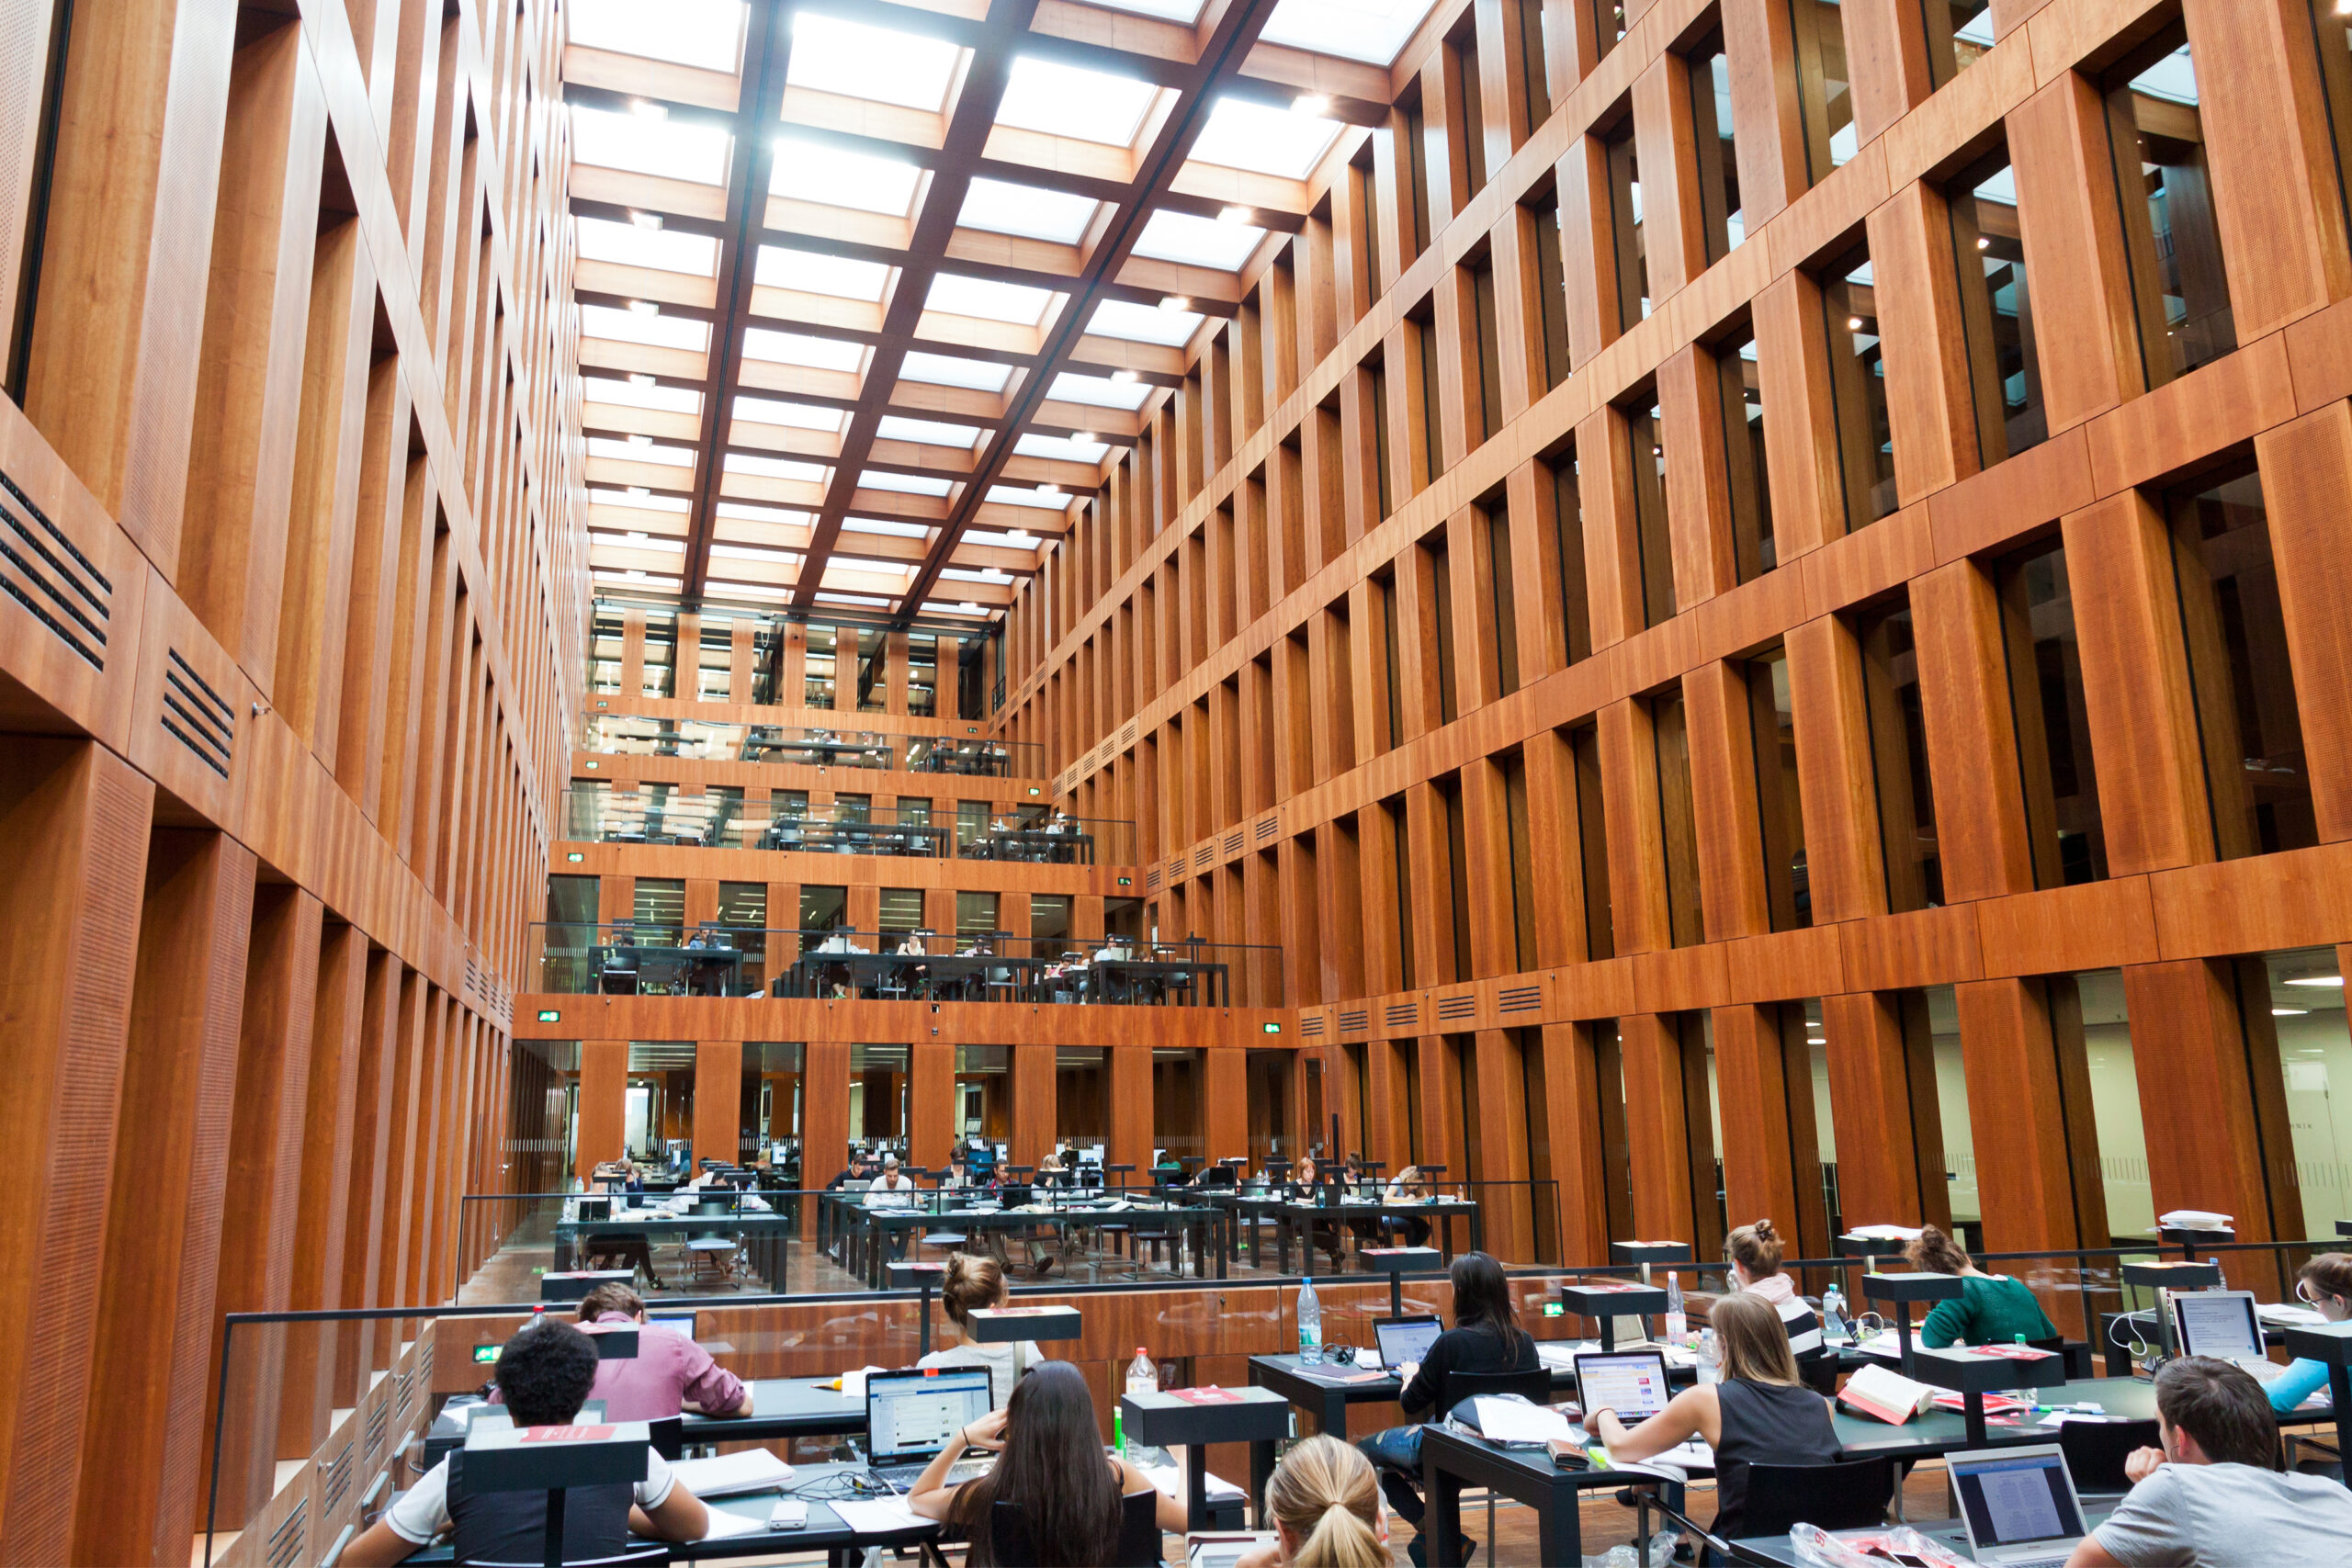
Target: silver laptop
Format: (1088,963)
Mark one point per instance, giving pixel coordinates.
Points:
(911,1416)
(2019,1505)
(1403,1341)
(2224,1324)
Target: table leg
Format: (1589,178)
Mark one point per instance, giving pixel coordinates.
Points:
(1261,1470)
(1196,1486)
(1478,1229)
(1559,1527)
(1443,1523)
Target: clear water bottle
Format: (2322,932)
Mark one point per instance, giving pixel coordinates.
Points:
(1711,1356)
(1832,1315)
(1142,1377)
(2029,1396)
(1677,1326)
(1310,1327)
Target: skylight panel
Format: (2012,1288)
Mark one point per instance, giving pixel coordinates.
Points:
(1143,323)
(797,416)
(753,552)
(2172,78)
(1243,135)
(1353,29)
(638,503)
(753,589)
(1198,242)
(864,601)
(951,370)
(1185,11)
(987,300)
(831,55)
(929,433)
(1023,495)
(665,249)
(906,484)
(1060,449)
(774,467)
(629,452)
(705,33)
(884,525)
(1002,208)
(631,395)
(634,326)
(813,170)
(674,150)
(1099,390)
(749,512)
(1069,100)
(797,348)
(811,272)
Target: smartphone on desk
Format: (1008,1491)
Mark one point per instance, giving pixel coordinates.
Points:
(789,1516)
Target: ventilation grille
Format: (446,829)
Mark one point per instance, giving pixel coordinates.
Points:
(1353,1022)
(1202,856)
(1522,998)
(379,1422)
(1128,736)
(195,715)
(285,1542)
(335,1481)
(1268,826)
(1151,880)
(1452,1009)
(1232,842)
(1404,1015)
(53,580)
(1311,1027)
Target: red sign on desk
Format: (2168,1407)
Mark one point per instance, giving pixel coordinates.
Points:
(567,1434)
(1210,1396)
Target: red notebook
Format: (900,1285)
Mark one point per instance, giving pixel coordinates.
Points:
(1209,1395)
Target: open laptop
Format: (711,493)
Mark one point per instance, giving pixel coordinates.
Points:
(1631,1382)
(2224,1324)
(683,1322)
(1403,1339)
(2019,1505)
(911,1416)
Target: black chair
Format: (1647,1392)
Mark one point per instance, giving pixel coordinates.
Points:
(1014,1545)
(2096,1450)
(1848,1495)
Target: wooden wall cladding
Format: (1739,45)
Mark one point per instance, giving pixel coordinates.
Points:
(1388,875)
(292,628)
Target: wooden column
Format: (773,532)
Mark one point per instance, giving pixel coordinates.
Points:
(1130,1107)
(930,1103)
(1981,833)
(1771,1144)
(1573,1146)
(1736,900)
(1837,778)
(1224,1106)
(719,1099)
(1497,1128)
(1882,1100)
(1036,1111)
(357,1344)
(604,1104)
(2306,471)
(1930,418)
(1656,1119)
(824,1120)
(1800,414)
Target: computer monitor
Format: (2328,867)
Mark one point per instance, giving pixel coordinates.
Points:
(911,1416)
(595,1208)
(683,1322)
(2016,1497)
(1403,1339)
(1631,1382)
(2220,1324)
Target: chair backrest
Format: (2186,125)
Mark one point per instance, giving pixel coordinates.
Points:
(2096,1450)
(1536,1386)
(1014,1545)
(1850,1494)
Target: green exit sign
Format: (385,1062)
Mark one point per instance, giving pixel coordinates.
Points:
(1127,882)
(574,856)
(485,1353)
(1035,790)
(1551,1309)
(1269,1028)
(549,1015)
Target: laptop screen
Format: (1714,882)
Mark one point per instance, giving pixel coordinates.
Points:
(684,1322)
(910,1415)
(1404,1340)
(2218,1323)
(1631,1382)
(2015,1499)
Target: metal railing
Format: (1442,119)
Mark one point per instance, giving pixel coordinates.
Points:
(969,755)
(597,813)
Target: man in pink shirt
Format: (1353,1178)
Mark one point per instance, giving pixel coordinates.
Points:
(668,1373)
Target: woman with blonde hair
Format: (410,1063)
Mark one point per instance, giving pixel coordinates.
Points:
(1325,1503)
(1760,1411)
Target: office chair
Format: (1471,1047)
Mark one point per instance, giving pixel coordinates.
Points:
(1846,1495)
(1014,1545)
(2096,1450)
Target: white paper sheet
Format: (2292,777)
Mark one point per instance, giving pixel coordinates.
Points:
(753,1469)
(1509,1421)
(876,1517)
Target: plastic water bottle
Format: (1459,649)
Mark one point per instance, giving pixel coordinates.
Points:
(1677,1326)
(1832,1315)
(1142,1377)
(1711,1356)
(2028,1394)
(1310,1327)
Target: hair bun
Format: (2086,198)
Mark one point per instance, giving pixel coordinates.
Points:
(1764,1231)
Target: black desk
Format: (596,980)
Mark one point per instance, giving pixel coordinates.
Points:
(1775,1549)
(647,960)
(818,753)
(1126,979)
(1450,1461)
(765,1237)
(971,761)
(782,1408)
(865,1232)
(1040,845)
(1301,1219)
(916,839)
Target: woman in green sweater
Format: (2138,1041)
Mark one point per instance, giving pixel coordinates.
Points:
(1992,1309)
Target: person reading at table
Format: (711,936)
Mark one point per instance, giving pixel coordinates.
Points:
(1485,1337)
(1325,1503)
(1409,1186)
(668,1374)
(1992,1309)
(545,1374)
(1077,1506)
(2323,1284)
(976,1284)
(1758,1412)
(2213,1495)
(1754,1255)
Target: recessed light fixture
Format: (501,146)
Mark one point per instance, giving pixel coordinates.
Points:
(1125,378)
(1085,438)
(1020,536)
(1319,104)
(638,492)
(1050,489)
(639,378)
(1983,243)
(637,538)
(646,108)
(1175,302)
(639,438)
(1238,215)
(1853,323)
(2292,1012)
(646,220)
(968,607)
(2333,981)
(1815,1039)
(645,307)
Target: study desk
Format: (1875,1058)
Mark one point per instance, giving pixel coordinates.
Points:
(818,753)
(782,1408)
(971,761)
(765,1236)
(1775,1549)
(648,963)
(1301,1220)
(1040,845)
(903,839)
(867,1234)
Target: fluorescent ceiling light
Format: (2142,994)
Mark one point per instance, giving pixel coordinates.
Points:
(929,433)
(797,348)
(1315,105)
(831,55)
(952,370)
(1069,100)
(1178,303)
(1237,215)
(662,250)
(812,171)
(1002,208)
(1371,30)
(1143,323)
(809,272)
(675,151)
(2292,1012)
(1071,389)
(988,301)
(647,108)
(1198,242)
(704,33)
(644,308)
(2330,982)
(1126,378)
(655,332)
(1287,143)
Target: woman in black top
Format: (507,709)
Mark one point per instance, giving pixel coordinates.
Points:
(1485,1337)
(1760,1411)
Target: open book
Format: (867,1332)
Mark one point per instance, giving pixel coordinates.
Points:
(1889,1395)
(753,1469)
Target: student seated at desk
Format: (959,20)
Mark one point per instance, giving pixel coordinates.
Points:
(545,1373)
(1326,1506)
(1083,1510)
(2325,1284)
(975,1284)
(2213,1497)
(668,1374)
(1485,1337)
(1992,1309)
(1409,1187)
(1754,1253)
(1760,1412)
